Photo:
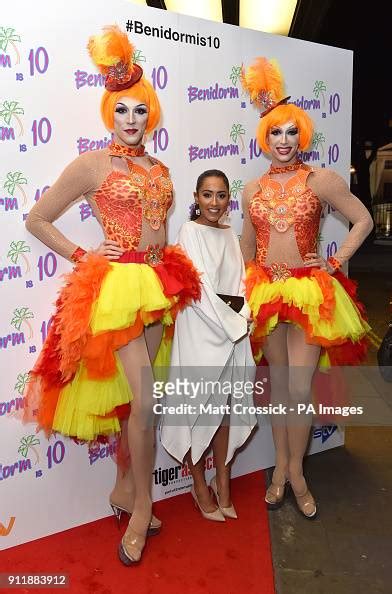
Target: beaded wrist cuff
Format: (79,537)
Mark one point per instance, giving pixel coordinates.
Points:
(334,263)
(78,254)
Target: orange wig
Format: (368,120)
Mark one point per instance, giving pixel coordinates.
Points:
(281,115)
(263,81)
(112,49)
(144,92)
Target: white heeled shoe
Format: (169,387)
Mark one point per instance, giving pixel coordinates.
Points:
(228,512)
(216,515)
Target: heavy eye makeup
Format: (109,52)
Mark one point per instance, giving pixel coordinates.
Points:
(277,131)
(139,109)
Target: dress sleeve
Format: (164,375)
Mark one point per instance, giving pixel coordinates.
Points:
(248,235)
(335,191)
(211,309)
(77,179)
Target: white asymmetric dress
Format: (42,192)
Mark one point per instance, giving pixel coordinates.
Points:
(211,350)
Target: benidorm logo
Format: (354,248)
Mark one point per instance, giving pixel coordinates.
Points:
(98,452)
(14,182)
(10,111)
(86,144)
(8,36)
(27,443)
(216,91)
(6,530)
(317,145)
(318,89)
(235,74)
(324,432)
(21,316)
(17,249)
(88,79)
(236,188)
(217,150)
(19,467)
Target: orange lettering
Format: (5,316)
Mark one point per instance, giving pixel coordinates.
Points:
(5,531)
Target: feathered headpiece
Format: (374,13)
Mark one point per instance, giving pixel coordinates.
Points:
(112,53)
(263,81)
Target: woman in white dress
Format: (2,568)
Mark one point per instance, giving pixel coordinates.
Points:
(211,351)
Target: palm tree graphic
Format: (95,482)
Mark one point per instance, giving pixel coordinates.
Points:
(11,110)
(15,180)
(21,381)
(138,56)
(236,132)
(318,141)
(235,74)
(28,443)
(319,87)
(8,36)
(19,248)
(21,315)
(236,186)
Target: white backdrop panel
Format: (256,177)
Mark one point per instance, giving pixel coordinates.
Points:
(49,113)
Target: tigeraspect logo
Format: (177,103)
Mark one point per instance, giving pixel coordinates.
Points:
(324,432)
(165,476)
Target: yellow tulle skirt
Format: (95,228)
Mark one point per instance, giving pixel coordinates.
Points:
(78,386)
(324,306)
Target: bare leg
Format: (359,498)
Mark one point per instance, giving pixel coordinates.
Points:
(219,447)
(199,482)
(137,367)
(123,493)
(153,334)
(275,351)
(303,359)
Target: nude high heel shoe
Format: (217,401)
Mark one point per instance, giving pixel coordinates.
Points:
(153,528)
(228,512)
(306,504)
(216,515)
(131,547)
(275,495)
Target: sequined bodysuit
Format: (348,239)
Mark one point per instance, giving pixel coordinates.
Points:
(131,206)
(282,216)
(285,215)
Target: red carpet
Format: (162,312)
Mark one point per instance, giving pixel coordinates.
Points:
(190,556)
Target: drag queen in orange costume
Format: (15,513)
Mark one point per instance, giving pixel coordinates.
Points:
(304,308)
(106,330)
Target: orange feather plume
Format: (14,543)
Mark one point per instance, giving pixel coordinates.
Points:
(262,78)
(110,48)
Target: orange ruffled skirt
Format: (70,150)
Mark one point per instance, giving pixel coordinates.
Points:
(78,386)
(325,306)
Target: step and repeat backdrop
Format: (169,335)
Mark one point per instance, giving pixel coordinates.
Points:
(49,113)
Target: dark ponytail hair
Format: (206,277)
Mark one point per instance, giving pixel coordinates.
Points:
(199,183)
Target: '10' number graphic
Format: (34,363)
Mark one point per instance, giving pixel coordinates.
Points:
(39,61)
(55,453)
(161,140)
(42,131)
(159,77)
(47,265)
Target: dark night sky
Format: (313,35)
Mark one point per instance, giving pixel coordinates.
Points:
(367,32)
